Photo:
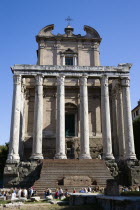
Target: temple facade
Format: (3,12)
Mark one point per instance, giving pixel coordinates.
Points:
(69,106)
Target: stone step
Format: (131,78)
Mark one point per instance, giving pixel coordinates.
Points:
(55,170)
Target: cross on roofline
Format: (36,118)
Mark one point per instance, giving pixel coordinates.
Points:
(68,19)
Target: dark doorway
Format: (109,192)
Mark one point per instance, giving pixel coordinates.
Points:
(69,125)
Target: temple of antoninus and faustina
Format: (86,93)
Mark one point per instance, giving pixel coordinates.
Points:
(69,106)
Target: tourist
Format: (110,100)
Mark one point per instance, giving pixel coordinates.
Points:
(19,193)
(56,194)
(85,190)
(74,190)
(89,189)
(60,192)
(13,196)
(66,193)
(81,190)
(25,193)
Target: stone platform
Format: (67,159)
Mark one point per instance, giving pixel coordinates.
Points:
(67,173)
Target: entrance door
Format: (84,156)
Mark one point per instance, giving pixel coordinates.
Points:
(69,125)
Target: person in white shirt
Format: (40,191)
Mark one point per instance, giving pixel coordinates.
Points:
(25,193)
(19,192)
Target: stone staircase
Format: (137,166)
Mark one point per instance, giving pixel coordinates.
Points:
(71,173)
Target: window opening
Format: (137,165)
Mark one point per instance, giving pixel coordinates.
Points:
(69,61)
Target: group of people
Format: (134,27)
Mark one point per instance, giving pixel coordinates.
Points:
(58,194)
(15,193)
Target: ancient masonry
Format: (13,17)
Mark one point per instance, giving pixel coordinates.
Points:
(68,106)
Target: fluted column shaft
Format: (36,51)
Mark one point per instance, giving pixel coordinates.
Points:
(106,126)
(84,124)
(13,155)
(60,122)
(38,119)
(128,129)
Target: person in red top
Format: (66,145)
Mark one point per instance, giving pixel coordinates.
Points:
(74,191)
(56,194)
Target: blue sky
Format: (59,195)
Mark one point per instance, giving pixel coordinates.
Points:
(117,21)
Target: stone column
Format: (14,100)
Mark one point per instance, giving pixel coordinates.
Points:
(75,60)
(106,126)
(84,123)
(60,122)
(13,155)
(38,119)
(22,120)
(128,129)
(62,60)
(96,55)
(114,113)
(120,127)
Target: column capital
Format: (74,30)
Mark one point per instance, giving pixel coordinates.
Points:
(60,79)
(125,82)
(39,79)
(83,80)
(17,79)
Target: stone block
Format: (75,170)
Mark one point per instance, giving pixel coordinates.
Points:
(112,188)
(35,198)
(77,181)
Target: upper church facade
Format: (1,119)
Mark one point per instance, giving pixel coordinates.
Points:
(68,48)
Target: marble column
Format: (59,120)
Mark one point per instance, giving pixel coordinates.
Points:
(13,155)
(106,126)
(22,120)
(114,113)
(84,123)
(120,127)
(128,129)
(38,119)
(60,122)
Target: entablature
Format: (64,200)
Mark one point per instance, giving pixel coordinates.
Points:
(122,70)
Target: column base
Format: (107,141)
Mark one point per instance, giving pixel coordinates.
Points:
(130,157)
(108,157)
(12,158)
(60,156)
(85,156)
(36,157)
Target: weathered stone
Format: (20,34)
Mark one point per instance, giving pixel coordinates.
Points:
(35,198)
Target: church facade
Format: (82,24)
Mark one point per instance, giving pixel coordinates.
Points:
(69,106)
